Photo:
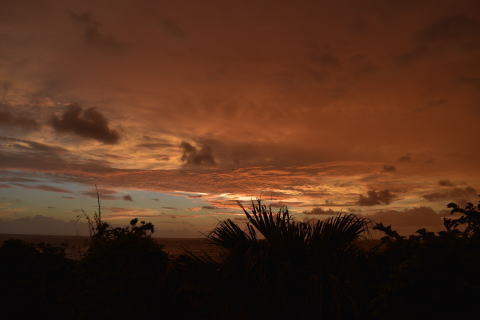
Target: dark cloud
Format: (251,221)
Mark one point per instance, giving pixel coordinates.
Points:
(19,153)
(209,207)
(445,183)
(118,209)
(405,158)
(42,225)
(43,188)
(30,155)
(194,196)
(21,9)
(449,28)
(28,145)
(155,145)
(386,9)
(409,220)
(284,204)
(24,122)
(326,59)
(467,193)
(193,156)
(321,212)
(105,194)
(330,203)
(471,81)
(458,30)
(127,197)
(375,197)
(92,34)
(12,178)
(119,212)
(173,29)
(88,123)
(244,153)
(362,66)
(389,168)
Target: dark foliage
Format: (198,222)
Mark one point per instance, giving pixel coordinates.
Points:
(35,279)
(435,275)
(125,269)
(123,273)
(279,267)
(273,268)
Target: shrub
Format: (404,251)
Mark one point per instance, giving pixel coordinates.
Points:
(123,271)
(435,275)
(35,280)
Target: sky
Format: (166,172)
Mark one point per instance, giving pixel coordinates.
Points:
(177,109)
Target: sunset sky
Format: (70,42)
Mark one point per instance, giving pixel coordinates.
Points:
(176,109)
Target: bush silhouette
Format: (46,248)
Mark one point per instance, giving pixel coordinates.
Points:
(34,280)
(125,269)
(426,270)
(123,272)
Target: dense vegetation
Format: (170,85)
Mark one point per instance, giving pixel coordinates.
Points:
(273,268)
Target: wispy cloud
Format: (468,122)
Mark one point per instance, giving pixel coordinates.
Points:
(42,188)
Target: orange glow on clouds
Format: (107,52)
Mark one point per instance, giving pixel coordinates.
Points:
(312,105)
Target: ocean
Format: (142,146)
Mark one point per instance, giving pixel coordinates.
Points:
(77,245)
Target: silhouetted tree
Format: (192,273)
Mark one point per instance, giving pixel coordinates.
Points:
(435,275)
(122,274)
(284,267)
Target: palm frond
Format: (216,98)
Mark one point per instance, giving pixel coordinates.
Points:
(276,227)
(229,235)
(337,232)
